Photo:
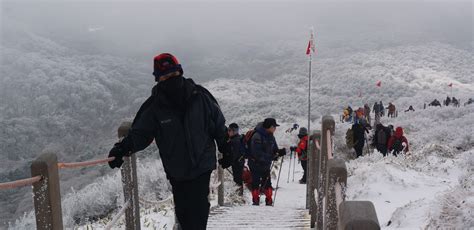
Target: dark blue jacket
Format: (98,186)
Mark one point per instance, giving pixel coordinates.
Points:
(263,148)
(185,139)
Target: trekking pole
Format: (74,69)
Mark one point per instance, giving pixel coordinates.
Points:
(294,167)
(289,167)
(228,170)
(278,181)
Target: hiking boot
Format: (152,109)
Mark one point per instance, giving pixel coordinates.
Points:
(268,202)
(256,203)
(256,197)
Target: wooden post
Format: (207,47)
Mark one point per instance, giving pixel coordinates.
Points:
(313,173)
(358,215)
(337,175)
(46,193)
(220,189)
(327,124)
(130,183)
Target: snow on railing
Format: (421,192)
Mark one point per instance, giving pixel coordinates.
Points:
(327,185)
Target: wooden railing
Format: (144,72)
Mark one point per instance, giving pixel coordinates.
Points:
(327,184)
(47,195)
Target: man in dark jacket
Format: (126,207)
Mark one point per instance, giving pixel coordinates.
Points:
(185,120)
(237,153)
(380,140)
(263,150)
(359,137)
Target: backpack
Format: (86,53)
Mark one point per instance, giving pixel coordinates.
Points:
(381,137)
(246,140)
(350,138)
(397,145)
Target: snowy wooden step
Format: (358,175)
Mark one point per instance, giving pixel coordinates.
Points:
(258,217)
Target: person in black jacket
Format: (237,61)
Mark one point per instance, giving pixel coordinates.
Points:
(359,137)
(263,150)
(185,121)
(380,139)
(236,151)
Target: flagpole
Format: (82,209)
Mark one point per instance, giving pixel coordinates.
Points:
(309,95)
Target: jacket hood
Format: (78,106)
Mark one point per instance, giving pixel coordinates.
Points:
(399,132)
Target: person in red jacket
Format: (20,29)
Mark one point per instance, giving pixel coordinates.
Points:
(302,151)
(397,142)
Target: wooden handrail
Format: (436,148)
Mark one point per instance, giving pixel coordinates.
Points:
(20,183)
(85,163)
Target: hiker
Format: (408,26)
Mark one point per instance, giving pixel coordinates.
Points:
(447,101)
(410,109)
(455,102)
(345,115)
(185,121)
(302,151)
(263,150)
(237,154)
(435,102)
(469,101)
(290,130)
(350,111)
(376,110)
(397,142)
(359,137)
(367,112)
(381,109)
(391,110)
(380,139)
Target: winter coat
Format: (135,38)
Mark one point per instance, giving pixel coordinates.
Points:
(302,149)
(366,110)
(398,136)
(391,108)
(185,139)
(236,148)
(359,136)
(376,108)
(263,149)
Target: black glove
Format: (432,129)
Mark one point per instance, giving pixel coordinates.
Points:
(282,152)
(118,151)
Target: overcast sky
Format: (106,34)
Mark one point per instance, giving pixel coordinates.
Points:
(143,28)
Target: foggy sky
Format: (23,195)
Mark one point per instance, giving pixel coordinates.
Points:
(196,29)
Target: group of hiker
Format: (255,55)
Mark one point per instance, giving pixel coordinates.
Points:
(259,149)
(350,115)
(448,102)
(384,139)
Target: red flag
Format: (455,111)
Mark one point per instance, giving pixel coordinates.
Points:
(450,85)
(379,84)
(310,47)
(308,50)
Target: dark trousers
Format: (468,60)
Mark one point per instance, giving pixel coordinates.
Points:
(359,149)
(304,164)
(261,177)
(237,167)
(382,149)
(191,202)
